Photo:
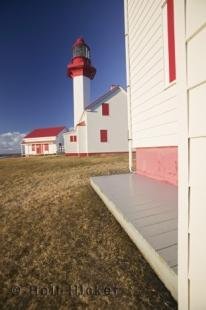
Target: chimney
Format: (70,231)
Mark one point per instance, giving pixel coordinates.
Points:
(113,86)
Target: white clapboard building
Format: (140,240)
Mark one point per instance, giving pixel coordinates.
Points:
(43,141)
(162,204)
(101,126)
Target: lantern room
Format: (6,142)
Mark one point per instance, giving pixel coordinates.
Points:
(80,64)
(81,49)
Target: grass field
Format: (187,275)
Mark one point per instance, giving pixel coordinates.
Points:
(58,238)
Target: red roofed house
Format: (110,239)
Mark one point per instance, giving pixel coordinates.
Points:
(43,141)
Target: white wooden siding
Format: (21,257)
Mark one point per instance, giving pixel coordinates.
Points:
(155,116)
(197,270)
(70,147)
(52,148)
(197,111)
(196,69)
(153,107)
(196,16)
(82,139)
(197,162)
(196,51)
(197,247)
(39,140)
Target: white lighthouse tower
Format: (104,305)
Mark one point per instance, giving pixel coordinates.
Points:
(81,71)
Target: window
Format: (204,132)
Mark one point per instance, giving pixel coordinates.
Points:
(169,41)
(46,147)
(73,138)
(103,135)
(81,50)
(105,108)
(33,147)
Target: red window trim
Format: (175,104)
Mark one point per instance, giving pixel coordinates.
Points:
(171,40)
(73,138)
(39,148)
(105,109)
(46,146)
(103,135)
(33,147)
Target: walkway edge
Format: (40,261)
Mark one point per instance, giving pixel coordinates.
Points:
(158,264)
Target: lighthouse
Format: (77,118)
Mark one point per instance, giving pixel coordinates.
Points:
(100,126)
(81,71)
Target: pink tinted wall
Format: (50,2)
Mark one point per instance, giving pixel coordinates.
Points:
(159,163)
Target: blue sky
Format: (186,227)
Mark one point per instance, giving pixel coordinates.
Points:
(36,38)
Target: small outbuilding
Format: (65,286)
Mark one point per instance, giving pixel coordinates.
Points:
(44,141)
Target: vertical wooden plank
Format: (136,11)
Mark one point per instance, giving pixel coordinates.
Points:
(183,207)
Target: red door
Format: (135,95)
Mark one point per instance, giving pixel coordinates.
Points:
(38,149)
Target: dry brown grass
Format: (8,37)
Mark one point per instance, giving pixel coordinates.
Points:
(56,231)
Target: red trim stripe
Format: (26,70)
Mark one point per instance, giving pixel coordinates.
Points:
(171,40)
(159,163)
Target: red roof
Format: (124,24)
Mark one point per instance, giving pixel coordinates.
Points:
(45,132)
